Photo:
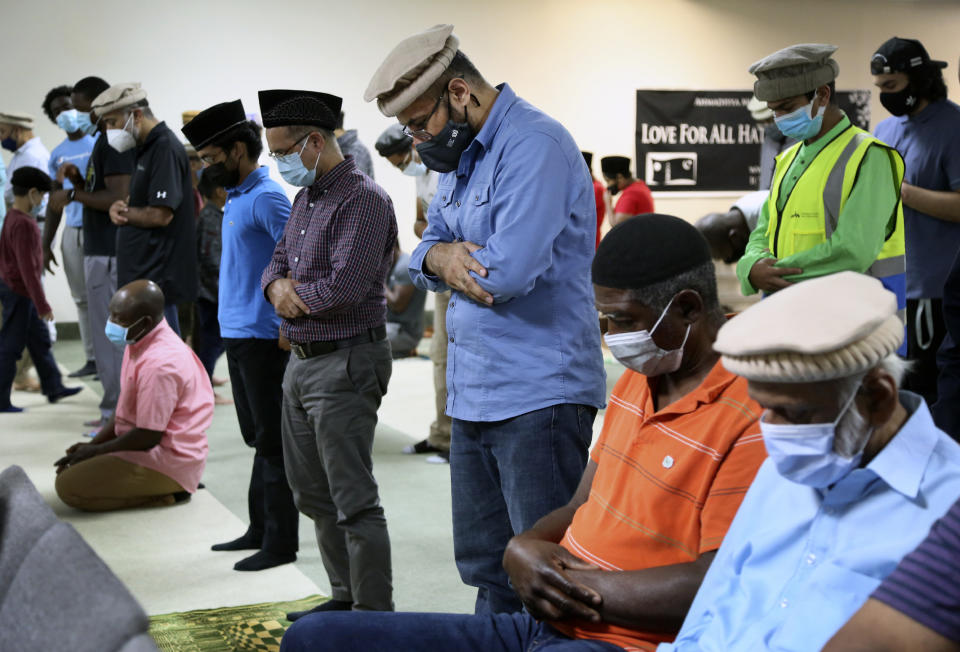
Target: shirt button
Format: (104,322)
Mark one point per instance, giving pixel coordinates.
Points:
(667,462)
(229,201)
(451,340)
(311,203)
(784,603)
(231,222)
(296,259)
(452,304)
(811,559)
(458,204)
(476,198)
(302,232)
(444,198)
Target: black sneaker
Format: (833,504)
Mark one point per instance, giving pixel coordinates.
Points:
(420,448)
(64,393)
(89,369)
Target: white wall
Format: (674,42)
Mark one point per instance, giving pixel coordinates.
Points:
(579,61)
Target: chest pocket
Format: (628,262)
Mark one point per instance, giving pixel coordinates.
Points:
(476,219)
(806,230)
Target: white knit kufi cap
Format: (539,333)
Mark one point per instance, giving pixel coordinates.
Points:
(410,69)
(826,328)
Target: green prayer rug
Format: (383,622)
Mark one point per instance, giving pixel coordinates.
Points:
(250,628)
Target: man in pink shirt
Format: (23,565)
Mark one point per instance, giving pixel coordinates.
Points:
(153,451)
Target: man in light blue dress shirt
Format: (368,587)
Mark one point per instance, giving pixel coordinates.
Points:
(512,232)
(857,471)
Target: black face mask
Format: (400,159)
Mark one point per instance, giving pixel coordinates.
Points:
(219,175)
(900,103)
(442,152)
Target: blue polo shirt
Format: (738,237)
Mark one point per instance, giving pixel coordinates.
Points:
(253,219)
(78,153)
(930,145)
(523,193)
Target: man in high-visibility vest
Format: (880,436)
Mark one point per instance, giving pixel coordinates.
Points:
(835,198)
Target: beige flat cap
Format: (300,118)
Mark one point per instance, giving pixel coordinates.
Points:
(794,71)
(830,327)
(410,68)
(119,96)
(16,119)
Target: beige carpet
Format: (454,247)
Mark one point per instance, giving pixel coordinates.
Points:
(163,555)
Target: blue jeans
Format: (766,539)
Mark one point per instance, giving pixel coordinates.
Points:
(504,476)
(427,632)
(23,329)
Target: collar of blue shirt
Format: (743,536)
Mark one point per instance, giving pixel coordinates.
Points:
(902,462)
(501,105)
(250,182)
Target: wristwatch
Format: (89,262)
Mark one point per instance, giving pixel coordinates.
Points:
(72,194)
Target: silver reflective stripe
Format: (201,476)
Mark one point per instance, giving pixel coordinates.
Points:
(884,267)
(923,323)
(833,191)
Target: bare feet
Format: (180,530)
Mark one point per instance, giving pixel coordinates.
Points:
(28,385)
(219,382)
(221,400)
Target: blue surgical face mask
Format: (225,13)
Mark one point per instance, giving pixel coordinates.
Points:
(69,121)
(805,453)
(414,168)
(636,350)
(799,124)
(117,333)
(84,124)
(293,170)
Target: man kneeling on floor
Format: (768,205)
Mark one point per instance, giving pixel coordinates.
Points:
(153,451)
(616,568)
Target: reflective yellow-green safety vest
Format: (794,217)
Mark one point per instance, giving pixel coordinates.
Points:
(811,211)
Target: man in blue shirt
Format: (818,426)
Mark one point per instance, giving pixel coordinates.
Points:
(253,221)
(75,149)
(511,231)
(925,129)
(856,475)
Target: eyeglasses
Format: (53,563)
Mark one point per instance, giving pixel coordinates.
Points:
(418,130)
(287,151)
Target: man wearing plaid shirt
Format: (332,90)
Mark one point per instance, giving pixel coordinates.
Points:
(326,281)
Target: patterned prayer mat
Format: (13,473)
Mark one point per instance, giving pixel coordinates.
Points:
(250,628)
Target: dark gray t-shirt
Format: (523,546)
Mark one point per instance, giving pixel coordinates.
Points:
(411,319)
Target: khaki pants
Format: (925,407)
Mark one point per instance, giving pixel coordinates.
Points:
(105,483)
(440,428)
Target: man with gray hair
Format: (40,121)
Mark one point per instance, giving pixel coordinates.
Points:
(857,471)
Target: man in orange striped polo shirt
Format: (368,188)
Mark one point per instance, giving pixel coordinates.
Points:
(617,568)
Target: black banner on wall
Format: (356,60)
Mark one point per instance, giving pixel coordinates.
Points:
(706,141)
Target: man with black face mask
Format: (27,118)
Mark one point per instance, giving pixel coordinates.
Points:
(254,216)
(925,130)
(512,232)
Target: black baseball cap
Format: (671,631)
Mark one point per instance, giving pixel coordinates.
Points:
(902,55)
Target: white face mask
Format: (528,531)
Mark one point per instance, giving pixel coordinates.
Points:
(414,168)
(804,453)
(636,350)
(121,139)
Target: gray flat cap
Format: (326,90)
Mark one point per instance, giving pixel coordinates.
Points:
(410,69)
(793,71)
(119,96)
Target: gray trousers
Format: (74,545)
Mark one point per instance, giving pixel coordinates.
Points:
(330,407)
(71,248)
(101,277)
